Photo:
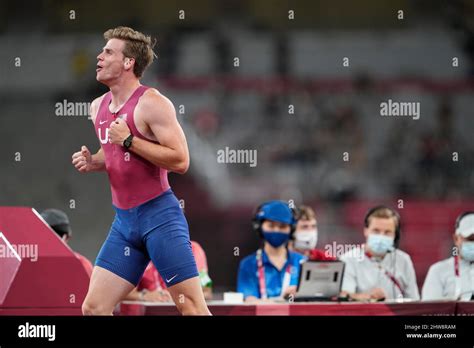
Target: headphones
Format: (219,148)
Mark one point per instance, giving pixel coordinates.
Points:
(460,217)
(258,219)
(398,227)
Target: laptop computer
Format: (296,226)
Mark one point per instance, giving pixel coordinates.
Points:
(320,281)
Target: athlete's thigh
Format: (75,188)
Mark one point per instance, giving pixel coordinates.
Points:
(119,265)
(167,240)
(189,292)
(107,288)
(123,252)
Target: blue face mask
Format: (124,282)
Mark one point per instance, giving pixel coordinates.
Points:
(467,251)
(275,239)
(380,244)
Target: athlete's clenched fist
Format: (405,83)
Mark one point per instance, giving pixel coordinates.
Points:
(82,160)
(118,131)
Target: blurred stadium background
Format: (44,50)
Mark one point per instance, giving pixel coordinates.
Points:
(399,161)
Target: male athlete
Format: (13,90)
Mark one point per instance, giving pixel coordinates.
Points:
(141,140)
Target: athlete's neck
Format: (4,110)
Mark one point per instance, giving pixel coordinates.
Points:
(121,92)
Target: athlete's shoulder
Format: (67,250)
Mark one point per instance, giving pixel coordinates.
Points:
(94,108)
(96,102)
(152,99)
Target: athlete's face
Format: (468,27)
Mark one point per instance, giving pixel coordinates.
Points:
(111,62)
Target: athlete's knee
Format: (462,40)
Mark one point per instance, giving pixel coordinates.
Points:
(90,307)
(190,307)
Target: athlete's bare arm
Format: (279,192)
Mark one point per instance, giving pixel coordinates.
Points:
(159,116)
(83,160)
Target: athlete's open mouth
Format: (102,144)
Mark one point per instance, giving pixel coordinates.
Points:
(99,68)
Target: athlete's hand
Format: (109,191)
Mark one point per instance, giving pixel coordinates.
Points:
(118,131)
(82,160)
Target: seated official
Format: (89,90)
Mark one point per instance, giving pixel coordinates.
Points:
(379,270)
(305,237)
(153,288)
(59,222)
(273,271)
(453,278)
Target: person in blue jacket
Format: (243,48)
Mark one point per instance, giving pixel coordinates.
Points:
(271,272)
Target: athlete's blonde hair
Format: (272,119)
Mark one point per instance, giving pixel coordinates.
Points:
(137,46)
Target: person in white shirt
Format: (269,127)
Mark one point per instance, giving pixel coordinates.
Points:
(379,270)
(453,278)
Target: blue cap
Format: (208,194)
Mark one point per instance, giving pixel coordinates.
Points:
(275,211)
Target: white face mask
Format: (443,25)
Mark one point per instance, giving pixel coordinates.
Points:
(306,240)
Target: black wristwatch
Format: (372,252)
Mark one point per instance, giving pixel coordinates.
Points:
(128,141)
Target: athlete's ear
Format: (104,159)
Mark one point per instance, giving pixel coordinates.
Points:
(128,62)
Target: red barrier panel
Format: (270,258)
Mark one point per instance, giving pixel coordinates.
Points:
(309,308)
(39,274)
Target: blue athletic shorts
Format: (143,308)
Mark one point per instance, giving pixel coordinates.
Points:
(155,230)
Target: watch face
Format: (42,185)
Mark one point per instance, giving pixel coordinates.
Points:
(128,142)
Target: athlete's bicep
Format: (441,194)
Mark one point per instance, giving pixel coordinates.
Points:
(160,116)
